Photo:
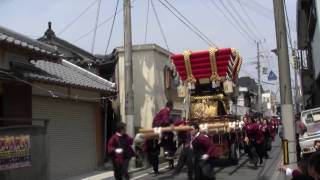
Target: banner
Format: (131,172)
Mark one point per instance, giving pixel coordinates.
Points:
(14,152)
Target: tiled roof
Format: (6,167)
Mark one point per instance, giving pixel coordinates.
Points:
(10,37)
(68,74)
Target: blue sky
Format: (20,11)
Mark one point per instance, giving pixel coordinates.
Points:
(30,17)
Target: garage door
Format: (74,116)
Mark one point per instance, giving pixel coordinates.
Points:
(71,135)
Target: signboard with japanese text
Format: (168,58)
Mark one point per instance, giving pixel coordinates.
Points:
(14,151)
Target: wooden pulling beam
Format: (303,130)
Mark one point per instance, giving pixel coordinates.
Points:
(184,128)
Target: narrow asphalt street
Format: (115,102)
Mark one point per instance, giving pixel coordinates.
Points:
(242,171)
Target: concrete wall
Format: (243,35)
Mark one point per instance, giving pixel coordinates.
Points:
(38,169)
(148,82)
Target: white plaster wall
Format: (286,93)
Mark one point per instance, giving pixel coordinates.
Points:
(148,84)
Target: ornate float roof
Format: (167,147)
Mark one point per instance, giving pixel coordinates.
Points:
(213,64)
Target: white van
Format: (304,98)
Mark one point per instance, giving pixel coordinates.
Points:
(311,118)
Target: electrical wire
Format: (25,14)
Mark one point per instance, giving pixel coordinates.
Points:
(255,9)
(250,19)
(159,24)
(235,19)
(188,21)
(111,30)
(187,25)
(248,28)
(95,28)
(99,25)
(147,21)
(288,25)
(231,22)
(78,17)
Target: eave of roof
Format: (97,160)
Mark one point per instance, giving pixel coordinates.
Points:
(8,36)
(64,74)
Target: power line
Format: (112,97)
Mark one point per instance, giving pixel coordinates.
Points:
(249,5)
(250,19)
(111,30)
(188,21)
(147,21)
(236,20)
(78,17)
(243,20)
(159,24)
(288,25)
(95,28)
(231,22)
(99,25)
(188,26)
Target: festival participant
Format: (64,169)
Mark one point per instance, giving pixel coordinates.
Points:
(314,166)
(273,125)
(119,148)
(260,140)
(204,153)
(186,156)
(301,171)
(162,119)
(300,130)
(267,138)
(169,146)
(251,133)
(152,149)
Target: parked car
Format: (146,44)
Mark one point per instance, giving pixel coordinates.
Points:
(311,119)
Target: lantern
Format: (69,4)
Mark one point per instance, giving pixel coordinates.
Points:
(228,86)
(181,90)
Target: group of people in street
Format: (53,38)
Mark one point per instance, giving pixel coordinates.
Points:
(198,151)
(259,133)
(197,148)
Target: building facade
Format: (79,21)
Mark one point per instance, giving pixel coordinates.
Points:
(37,83)
(247,98)
(308,35)
(269,103)
(153,84)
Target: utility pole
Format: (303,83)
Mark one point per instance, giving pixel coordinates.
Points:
(129,105)
(259,79)
(296,69)
(285,81)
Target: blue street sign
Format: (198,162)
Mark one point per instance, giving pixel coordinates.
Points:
(272,76)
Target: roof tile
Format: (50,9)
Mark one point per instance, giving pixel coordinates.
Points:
(60,73)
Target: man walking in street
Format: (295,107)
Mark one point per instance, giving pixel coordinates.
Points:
(162,119)
(186,155)
(204,153)
(251,130)
(152,149)
(119,148)
(152,146)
